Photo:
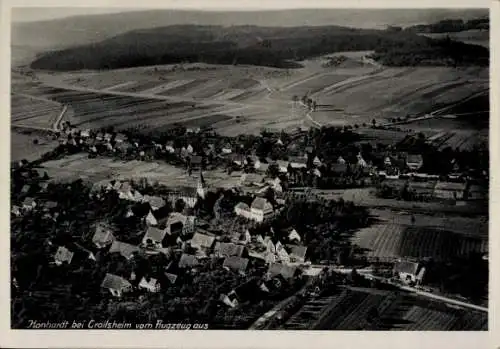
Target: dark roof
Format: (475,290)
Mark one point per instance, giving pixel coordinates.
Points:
(286,271)
(298,251)
(126,250)
(114,282)
(187,260)
(155,234)
(260,204)
(236,263)
(229,249)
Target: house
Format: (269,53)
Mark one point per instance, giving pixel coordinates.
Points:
(409,272)
(169,147)
(294,236)
(297,253)
(50,205)
(103,236)
(187,260)
(317,161)
(229,300)
(171,277)
(15,210)
(476,192)
(298,162)
(243,210)
(196,162)
(340,160)
(155,202)
(154,237)
(251,179)
(63,255)
(261,209)
(126,250)
(449,190)
(224,249)
(338,168)
(151,219)
(149,284)
(116,285)
(227,149)
(120,138)
(283,165)
(187,194)
(25,189)
(260,166)
(414,161)
(237,264)
(85,133)
(29,204)
(285,271)
(361,161)
(202,242)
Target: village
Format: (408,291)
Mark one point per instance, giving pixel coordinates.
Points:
(231,253)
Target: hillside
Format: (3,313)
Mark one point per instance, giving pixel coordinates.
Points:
(80,30)
(279,47)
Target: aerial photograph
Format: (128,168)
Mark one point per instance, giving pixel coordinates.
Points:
(270,169)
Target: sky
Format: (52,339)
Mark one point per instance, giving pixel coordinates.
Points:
(29,14)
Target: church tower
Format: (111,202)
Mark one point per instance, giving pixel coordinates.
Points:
(201,189)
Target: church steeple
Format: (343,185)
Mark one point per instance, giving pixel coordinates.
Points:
(201,185)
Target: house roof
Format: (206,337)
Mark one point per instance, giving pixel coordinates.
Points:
(236,263)
(261,204)
(114,282)
(187,260)
(154,201)
(242,206)
(298,251)
(102,234)
(202,240)
(229,249)
(63,255)
(50,204)
(449,186)
(28,201)
(171,277)
(126,250)
(285,271)
(406,267)
(155,234)
(414,158)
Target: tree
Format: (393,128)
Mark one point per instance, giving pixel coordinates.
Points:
(179,205)
(374,122)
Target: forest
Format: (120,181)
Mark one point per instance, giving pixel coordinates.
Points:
(263,46)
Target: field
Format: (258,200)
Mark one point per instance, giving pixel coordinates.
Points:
(33,112)
(22,146)
(101,169)
(389,241)
(349,309)
(235,99)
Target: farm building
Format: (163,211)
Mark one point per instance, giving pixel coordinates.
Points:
(116,285)
(154,237)
(414,162)
(409,272)
(223,249)
(237,264)
(187,260)
(103,236)
(126,250)
(202,242)
(449,190)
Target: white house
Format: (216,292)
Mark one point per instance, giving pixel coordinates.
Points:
(409,272)
(150,284)
(261,209)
